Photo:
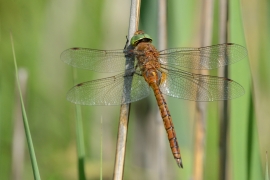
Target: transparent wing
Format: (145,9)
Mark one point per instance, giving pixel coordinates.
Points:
(96,60)
(197,87)
(109,91)
(209,57)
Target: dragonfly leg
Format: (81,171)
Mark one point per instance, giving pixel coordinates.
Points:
(126,45)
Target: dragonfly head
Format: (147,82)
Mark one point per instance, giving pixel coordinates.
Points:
(140,36)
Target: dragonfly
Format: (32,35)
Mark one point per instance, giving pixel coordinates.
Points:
(142,69)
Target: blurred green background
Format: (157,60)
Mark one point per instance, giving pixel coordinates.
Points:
(43,29)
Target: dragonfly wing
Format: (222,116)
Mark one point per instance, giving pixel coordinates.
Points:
(210,57)
(97,60)
(197,87)
(109,91)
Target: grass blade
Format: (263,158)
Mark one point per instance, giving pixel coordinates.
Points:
(80,143)
(266,167)
(18,141)
(25,121)
(244,162)
(101,149)
(254,168)
(79,138)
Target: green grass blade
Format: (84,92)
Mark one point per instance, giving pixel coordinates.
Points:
(80,143)
(239,117)
(254,168)
(79,138)
(245,160)
(25,121)
(101,149)
(266,167)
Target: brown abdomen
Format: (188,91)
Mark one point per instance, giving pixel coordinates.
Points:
(168,124)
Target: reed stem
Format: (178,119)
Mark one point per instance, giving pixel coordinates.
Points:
(125,108)
(223,109)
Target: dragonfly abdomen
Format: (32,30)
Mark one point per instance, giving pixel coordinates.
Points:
(168,124)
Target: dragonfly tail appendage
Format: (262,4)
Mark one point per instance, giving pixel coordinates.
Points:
(168,124)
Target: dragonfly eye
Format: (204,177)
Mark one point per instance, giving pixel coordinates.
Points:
(137,38)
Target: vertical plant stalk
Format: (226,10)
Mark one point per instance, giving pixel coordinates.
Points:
(125,108)
(266,166)
(162,44)
(101,147)
(223,109)
(200,121)
(25,121)
(79,137)
(80,143)
(18,142)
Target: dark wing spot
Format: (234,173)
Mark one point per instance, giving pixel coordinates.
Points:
(80,84)
(75,48)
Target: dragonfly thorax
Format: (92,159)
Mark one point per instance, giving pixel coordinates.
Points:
(147,56)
